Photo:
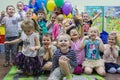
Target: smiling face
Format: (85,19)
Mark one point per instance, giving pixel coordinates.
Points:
(93,33)
(112,40)
(20,6)
(74,34)
(10,10)
(46,41)
(63,42)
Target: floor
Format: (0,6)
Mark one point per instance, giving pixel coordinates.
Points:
(4,70)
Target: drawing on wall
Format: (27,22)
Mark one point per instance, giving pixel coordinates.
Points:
(112,17)
(92,11)
(109,20)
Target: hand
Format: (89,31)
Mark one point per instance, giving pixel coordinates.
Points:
(64,58)
(32,48)
(7,42)
(98,38)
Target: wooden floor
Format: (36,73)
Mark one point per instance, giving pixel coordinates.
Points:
(4,70)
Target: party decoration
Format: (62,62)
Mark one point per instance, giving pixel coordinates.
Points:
(34,17)
(39,3)
(59,3)
(50,5)
(69,16)
(67,8)
(26,7)
(2,30)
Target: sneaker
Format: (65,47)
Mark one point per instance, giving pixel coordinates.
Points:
(6,64)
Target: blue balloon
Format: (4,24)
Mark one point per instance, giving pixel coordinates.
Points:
(39,3)
(35,9)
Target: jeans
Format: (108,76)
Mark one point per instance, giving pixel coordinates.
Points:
(2,48)
(10,50)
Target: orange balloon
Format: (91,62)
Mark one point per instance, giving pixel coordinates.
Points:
(34,17)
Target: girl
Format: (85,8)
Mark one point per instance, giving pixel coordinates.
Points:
(75,45)
(50,24)
(46,52)
(87,21)
(93,46)
(111,54)
(27,60)
(11,25)
(64,59)
(58,27)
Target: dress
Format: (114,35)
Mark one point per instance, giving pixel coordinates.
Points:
(27,60)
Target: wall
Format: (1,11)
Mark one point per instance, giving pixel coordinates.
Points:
(79,3)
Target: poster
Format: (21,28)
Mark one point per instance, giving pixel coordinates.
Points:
(92,11)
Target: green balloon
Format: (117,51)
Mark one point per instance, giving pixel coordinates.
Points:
(59,3)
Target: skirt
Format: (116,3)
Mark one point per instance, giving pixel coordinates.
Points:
(27,64)
(93,63)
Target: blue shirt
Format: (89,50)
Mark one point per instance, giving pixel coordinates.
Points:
(92,49)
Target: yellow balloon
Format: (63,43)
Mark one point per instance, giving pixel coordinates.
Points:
(69,16)
(51,5)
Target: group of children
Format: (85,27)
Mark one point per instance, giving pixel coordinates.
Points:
(59,46)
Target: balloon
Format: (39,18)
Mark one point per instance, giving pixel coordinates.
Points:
(39,3)
(69,16)
(67,8)
(26,7)
(59,3)
(35,9)
(50,5)
(34,17)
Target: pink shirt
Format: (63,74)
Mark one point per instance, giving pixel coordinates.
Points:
(79,53)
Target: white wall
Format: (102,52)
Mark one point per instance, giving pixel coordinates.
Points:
(79,3)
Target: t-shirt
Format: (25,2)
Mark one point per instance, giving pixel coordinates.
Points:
(92,49)
(79,53)
(28,41)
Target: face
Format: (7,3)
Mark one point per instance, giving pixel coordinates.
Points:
(46,41)
(20,6)
(40,16)
(29,14)
(93,34)
(74,34)
(10,11)
(52,18)
(111,40)
(3,14)
(28,31)
(85,17)
(63,43)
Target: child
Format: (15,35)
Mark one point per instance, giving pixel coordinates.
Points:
(75,45)
(64,59)
(87,21)
(47,51)
(93,46)
(58,27)
(20,6)
(11,25)
(42,21)
(50,24)
(27,60)
(111,54)
(29,14)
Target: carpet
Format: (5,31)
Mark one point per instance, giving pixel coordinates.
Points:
(12,75)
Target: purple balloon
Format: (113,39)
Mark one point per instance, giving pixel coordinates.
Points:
(67,8)
(26,7)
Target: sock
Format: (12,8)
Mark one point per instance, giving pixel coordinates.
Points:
(118,70)
(69,76)
(112,70)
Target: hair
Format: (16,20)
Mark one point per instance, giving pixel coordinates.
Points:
(113,36)
(28,23)
(20,2)
(9,6)
(29,10)
(47,35)
(53,13)
(94,28)
(41,11)
(60,16)
(63,34)
(68,31)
